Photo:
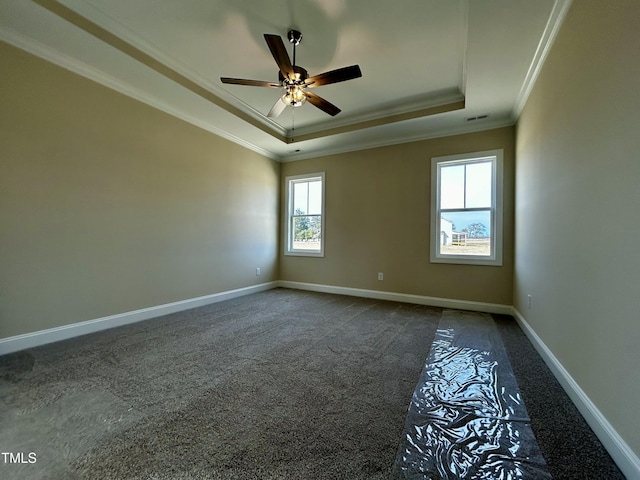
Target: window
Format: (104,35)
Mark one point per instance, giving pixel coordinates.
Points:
(466,208)
(305,215)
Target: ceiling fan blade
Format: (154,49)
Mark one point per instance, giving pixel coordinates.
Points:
(334,76)
(251,83)
(277,108)
(322,104)
(280,55)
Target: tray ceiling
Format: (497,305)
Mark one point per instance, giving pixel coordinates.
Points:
(428,66)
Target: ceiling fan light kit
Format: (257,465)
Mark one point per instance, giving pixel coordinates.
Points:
(295,80)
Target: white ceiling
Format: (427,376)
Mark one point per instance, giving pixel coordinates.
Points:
(463,58)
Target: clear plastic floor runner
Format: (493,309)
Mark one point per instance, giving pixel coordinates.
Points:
(467,419)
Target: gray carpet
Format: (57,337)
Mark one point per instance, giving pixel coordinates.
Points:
(278,385)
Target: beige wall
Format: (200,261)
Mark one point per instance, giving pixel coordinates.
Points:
(108,205)
(577,207)
(377,220)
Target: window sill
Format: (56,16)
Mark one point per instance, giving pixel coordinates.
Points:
(303,253)
(457,260)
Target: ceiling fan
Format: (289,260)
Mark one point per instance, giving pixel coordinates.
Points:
(295,80)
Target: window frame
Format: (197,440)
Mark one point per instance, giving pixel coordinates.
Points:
(289,215)
(495,259)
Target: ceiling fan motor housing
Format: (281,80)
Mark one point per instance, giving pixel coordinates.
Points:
(301,76)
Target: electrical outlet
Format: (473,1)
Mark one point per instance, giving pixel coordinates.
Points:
(258,272)
(528,301)
(380,276)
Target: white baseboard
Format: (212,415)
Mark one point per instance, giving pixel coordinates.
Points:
(401,297)
(42,337)
(621,453)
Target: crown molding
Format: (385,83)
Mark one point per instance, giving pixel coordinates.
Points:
(427,135)
(71,64)
(109,38)
(103,20)
(67,62)
(98,23)
(114,34)
(558,13)
(399,117)
(411,108)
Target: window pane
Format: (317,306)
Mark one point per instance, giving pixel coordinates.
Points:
(465,233)
(300,198)
(306,232)
(452,186)
(315,197)
(478,185)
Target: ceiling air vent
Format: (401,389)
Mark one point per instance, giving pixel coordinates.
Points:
(479,117)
